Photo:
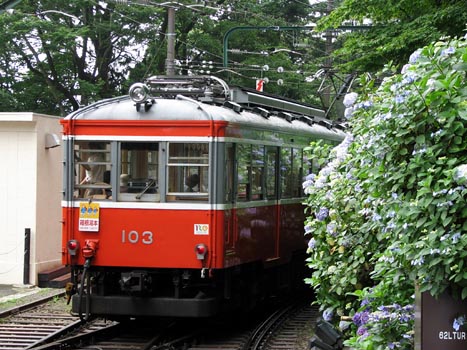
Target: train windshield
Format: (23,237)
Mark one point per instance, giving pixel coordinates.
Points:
(92,170)
(139,170)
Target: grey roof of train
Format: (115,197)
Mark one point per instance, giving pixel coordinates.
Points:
(123,108)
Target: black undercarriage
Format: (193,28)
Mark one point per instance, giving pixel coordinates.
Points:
(115,293)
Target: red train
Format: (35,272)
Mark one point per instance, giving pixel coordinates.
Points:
(185,197)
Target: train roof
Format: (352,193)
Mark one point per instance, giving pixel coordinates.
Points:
(210,99)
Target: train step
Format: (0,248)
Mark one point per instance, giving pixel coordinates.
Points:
(54,278)
(60,282)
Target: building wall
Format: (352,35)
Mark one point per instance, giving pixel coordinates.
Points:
(30,185)
(48,200)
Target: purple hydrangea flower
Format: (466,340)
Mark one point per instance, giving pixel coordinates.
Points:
(362,332)
(361,318)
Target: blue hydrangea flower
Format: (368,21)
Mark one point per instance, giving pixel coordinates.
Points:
(348,113)
(350,98)
(455,237)
(417,262)
(449,51)
(414,57)
(458,323)
(331,229)
(460,174)
(328,314)
(365,104)
(322,214)
(312,243)
(399,99)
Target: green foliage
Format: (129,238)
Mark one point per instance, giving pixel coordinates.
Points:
(72,52)
(398,28)
(388,210)
(56,56)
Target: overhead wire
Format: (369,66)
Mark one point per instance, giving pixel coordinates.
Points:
(235,65)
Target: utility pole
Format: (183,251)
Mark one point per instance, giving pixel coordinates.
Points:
(328,47)
(170,60)
(170,34)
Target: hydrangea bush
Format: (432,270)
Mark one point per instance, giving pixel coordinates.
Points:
(387,210)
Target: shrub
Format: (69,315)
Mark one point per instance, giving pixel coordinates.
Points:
(387,211)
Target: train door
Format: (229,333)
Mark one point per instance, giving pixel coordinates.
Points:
(228,197)
(272,191)
(255,213)
(291,197)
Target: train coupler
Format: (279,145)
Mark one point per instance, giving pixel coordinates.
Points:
(90,248)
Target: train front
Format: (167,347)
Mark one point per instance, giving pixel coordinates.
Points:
(138,218)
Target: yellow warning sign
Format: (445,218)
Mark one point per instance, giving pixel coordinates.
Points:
(89,217)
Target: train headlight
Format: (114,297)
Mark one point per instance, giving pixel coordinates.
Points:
(73,246)
(139,92)
(201,251)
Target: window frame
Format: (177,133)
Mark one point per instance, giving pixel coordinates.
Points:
(202,169)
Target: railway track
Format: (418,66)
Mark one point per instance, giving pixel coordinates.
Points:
(48,325)
(24,326)
(39,322)
(295,331)
(279,330)
(282,329)
(131,335)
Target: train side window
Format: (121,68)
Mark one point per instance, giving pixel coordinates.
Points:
(229,172)
(271,172)
(187,171)
(257,172)
(297,171)
(243,172)
(285,171)
(92,170)
(138,171)
(291,172)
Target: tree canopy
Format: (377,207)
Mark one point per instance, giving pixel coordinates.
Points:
(56,56)
(397,28)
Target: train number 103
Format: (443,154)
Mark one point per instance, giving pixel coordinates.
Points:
(134,237)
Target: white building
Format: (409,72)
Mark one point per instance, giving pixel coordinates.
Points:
(30,195)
